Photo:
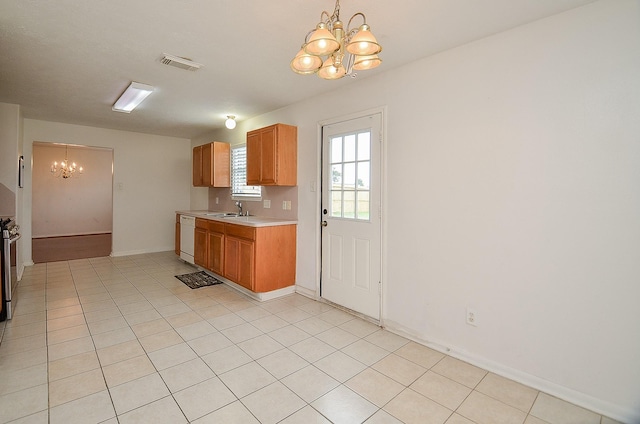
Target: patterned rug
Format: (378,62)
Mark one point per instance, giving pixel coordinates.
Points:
(196,280)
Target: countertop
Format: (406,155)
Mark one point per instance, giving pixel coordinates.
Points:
(250,221)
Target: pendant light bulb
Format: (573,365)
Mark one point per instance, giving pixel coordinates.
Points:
(230,122)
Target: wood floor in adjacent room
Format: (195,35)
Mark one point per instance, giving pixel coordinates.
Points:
(54,249)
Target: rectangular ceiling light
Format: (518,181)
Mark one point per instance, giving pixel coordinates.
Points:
(132,97)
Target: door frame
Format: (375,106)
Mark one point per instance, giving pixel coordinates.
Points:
(382,110)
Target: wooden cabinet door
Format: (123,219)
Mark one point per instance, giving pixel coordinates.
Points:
(231,258)
(216,252)
(200,247)
(254,158)
(207,165)
(221,173)
(268,161)
(246,264)
(239,261)
(177,246)
(197,167)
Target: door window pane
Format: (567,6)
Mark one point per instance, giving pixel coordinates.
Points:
(336,177)
(349,180)
(349,148)
(364,175)
(349,204)
(363,205)
(350,176)
(336,204)
(364,146)
(336,150)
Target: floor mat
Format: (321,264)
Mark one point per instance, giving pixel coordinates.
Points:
(196,280)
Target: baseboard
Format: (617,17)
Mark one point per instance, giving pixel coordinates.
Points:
(141,251)
(306,292)
(607,409)
(260,297)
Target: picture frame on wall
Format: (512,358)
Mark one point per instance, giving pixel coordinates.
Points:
(21,172)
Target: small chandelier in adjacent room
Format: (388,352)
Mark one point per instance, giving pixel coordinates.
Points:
(65,169)
(332,52)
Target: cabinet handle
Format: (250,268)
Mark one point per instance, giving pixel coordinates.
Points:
(324,223)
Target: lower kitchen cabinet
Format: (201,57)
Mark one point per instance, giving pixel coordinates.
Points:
(260,259)
(200,243)
(266,256)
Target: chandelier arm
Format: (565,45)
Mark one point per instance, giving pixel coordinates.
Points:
(306,37)
(328,17)
(364,19)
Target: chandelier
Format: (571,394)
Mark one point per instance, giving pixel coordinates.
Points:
(332,52)
(65,169)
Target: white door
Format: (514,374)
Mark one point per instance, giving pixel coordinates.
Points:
(351,222)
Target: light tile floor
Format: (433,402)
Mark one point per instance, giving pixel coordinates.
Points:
(121,340)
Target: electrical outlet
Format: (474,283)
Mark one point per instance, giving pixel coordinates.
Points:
(266,204)
(217,201)
(288,205)
(284,205)
(472,317)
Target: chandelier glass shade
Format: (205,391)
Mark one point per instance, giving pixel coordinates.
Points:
(65,169)
(333,52)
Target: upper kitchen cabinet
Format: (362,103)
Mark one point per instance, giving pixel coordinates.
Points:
(211,165)
(272,156)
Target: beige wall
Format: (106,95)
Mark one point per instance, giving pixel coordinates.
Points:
(78,205)
(511,185)
(9,143)
(526,148)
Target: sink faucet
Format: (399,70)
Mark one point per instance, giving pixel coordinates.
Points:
(239,205)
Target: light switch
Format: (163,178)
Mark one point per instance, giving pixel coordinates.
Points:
(266,204)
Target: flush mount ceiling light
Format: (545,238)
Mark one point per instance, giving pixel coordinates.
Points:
(332,52)
(132,97)
(230,122)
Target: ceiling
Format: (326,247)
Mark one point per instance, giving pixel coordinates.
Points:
(69,60)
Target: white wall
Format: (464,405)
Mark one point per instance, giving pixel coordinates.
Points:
(154,171)
(512,163)
(9,132)
(11,195)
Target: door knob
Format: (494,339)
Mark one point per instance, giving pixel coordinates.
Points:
(323,223)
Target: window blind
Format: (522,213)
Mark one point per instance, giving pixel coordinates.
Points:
(239,187)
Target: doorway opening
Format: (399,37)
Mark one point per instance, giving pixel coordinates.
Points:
(72,218)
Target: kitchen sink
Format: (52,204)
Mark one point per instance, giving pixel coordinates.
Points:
(222,214)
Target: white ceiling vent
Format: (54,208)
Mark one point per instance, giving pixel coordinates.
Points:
(179,62)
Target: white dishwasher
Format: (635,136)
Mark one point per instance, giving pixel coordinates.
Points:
(187,231)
